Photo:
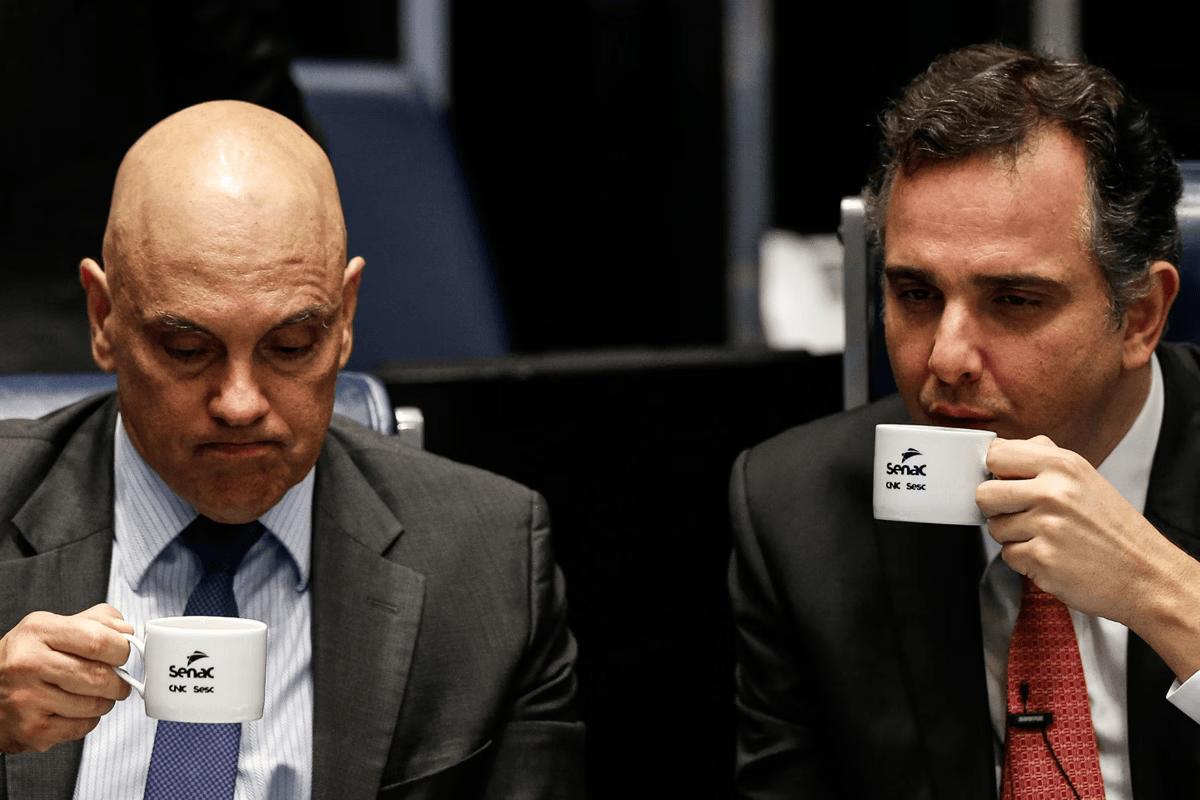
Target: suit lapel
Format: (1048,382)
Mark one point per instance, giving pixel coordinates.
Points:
(932,574)
(67,523)
(1164,744)
(366,614)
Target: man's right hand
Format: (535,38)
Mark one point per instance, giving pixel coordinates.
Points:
(56,677)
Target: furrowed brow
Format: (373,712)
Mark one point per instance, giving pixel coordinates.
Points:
(322,312)
(1019,280)
(178,323)
(898,273)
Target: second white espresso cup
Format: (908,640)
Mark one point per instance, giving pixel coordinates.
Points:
(202,669)
(925,473)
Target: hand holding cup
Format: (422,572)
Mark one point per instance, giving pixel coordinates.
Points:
(56,677)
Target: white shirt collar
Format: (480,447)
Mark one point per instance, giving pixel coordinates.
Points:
(147,515)
(1127,467)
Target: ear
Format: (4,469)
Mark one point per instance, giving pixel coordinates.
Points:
(1146,318)
(99,310)
(351,278)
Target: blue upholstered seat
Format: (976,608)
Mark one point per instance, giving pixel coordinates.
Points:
(360,396)
(1184,323)
(428,291)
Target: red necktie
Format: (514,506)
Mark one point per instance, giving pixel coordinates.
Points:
(1045,674)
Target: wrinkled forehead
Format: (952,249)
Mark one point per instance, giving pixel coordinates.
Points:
(220,190)
(254,243)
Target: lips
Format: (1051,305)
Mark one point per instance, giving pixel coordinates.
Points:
(958,416)
(238,449)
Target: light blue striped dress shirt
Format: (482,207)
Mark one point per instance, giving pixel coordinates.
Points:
(151,576)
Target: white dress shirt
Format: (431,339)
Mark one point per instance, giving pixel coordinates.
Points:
(151,576)
(1102,642)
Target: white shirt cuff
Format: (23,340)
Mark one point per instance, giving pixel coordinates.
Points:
(1186,696)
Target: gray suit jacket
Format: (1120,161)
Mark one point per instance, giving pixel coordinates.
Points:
(442,661)
(860,668)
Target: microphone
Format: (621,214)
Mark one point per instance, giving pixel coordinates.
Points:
(1027,720)
(1031,721)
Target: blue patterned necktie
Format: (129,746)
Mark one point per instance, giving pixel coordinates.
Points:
(191,760)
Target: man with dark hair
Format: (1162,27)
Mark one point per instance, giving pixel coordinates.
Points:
(1025,213)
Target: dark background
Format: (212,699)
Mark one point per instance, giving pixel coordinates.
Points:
(592,133)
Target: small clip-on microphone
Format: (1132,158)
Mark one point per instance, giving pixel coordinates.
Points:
(1029,720)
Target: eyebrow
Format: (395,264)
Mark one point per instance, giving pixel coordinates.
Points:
(1012,280)
(319,311)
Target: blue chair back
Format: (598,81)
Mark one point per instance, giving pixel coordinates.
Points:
(1184,323)
(428,291)
(360,397)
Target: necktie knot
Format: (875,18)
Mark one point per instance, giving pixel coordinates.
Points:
(219,546)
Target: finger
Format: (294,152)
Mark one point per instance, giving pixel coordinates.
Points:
(84,637)
(1009,528)
(1023,458)
(1041,440)
(47,731)
(59,703)
(108,615)
(1024,559)
(82,677)
(998,497)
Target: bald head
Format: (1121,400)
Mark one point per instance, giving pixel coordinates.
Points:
(216,170)
(225,304)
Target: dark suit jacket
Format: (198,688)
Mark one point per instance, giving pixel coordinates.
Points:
(860,667)
(442,662)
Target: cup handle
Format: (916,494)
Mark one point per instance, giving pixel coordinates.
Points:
(123,674)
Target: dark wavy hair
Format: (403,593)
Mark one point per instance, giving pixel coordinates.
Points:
(992,99)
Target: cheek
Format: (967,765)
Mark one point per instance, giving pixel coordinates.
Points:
(908,353)
(305,409)
(151,404)
(1044,375)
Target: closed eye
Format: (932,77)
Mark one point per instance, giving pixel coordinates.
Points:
(294,343)
(186,353)
(187,347)
(1017,300)
(918,293)
(290,352)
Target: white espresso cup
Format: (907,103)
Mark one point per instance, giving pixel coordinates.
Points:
(202,669)
(925,473)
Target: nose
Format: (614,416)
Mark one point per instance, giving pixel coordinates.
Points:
(956,357)
(239,400)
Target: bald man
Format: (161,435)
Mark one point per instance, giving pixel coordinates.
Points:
(418,644)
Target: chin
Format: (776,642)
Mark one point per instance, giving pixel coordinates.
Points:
(237,507)
(229,514)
